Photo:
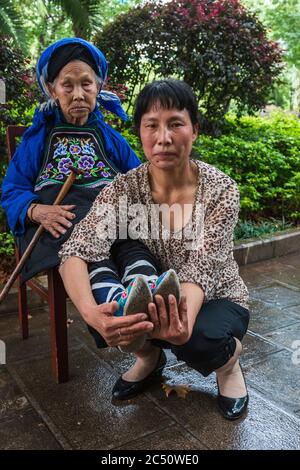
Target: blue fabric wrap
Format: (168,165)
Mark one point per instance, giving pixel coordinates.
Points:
(108,100)
(24,168)
(42,65)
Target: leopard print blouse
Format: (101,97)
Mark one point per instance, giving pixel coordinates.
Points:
(205,259)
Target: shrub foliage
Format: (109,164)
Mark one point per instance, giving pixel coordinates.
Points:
(21,92)
(263,156)
(21,96)
(218,47)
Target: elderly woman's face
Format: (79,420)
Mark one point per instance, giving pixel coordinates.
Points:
(167,136)
(76,89)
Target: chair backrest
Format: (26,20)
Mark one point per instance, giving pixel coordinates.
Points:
(12,133)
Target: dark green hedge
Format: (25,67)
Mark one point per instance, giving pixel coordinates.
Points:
(263,156)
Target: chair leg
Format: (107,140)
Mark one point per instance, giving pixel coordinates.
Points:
(22,309)
(22,303)
(58,320)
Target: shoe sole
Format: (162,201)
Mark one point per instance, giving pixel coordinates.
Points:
(169,285)
(139,298)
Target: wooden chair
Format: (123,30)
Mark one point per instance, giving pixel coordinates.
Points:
(55,295)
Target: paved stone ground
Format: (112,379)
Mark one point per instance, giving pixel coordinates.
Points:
(35,413)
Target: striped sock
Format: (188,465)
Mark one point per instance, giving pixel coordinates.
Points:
(143,267)
(105,282)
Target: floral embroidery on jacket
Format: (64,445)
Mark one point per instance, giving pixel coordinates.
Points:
(79,152)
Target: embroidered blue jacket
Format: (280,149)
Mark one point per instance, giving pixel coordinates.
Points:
(23,170)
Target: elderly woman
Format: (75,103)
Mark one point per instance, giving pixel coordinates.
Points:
(206,328)
(67,129)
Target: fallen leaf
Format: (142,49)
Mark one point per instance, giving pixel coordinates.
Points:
(180,390)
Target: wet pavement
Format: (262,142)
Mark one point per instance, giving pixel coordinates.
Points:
(35,413)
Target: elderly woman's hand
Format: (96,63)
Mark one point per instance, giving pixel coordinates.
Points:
(54,219)
(172,326)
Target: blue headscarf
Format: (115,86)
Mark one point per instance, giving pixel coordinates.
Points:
(107,99)
(17,186)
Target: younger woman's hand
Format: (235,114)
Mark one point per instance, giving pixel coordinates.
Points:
(173,326)
(117,331)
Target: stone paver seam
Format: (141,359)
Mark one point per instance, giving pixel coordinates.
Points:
(275,305)
(283,284)
(174,417)
(103,362)
(30,309)
(151,433)
(260,394)
(294,322)
(60,438)
(40,356)
(278,345)
(147,395)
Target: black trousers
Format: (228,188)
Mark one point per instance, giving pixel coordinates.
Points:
(212,342)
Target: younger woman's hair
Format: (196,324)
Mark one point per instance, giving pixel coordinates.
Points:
(168,94)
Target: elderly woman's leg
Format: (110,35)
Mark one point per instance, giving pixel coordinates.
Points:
(105,283)
(132,258)
(129,258)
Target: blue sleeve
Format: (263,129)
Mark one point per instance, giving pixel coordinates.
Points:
(120,151)
(18,184)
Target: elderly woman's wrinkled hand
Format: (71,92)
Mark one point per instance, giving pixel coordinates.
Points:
(169,326)
(117,331)
(54,219)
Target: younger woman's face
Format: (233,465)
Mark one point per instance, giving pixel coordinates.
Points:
(167,136)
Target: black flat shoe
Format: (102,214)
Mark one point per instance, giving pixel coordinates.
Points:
(232,408)
(124,390)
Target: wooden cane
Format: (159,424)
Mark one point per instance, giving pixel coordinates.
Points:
(62,193)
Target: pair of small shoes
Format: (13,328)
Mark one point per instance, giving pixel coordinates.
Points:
(135,299)
(232,408)
(167,283)
(139,294)
(124,390)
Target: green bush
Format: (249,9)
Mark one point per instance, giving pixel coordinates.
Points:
(21,98)
(134,142)
(21,92)
(263,156)
(7,245)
